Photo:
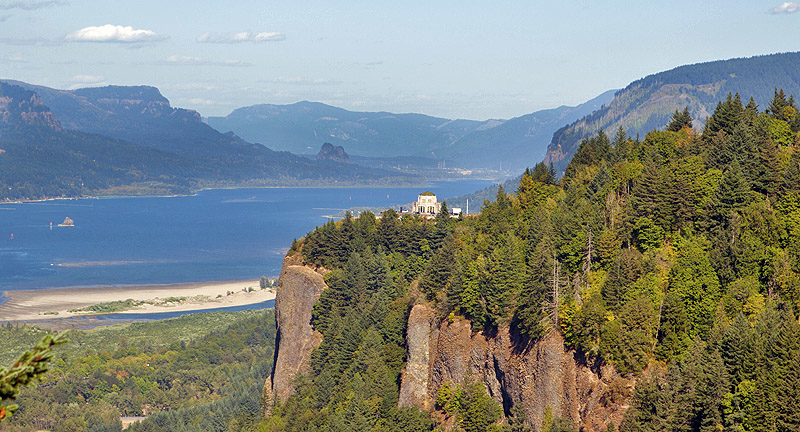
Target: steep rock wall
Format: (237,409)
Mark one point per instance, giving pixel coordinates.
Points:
(299,288)
(532,376)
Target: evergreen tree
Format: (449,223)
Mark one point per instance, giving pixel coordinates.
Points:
(733,191)
(680,120)
(777,105)
(26,370)
(725,117)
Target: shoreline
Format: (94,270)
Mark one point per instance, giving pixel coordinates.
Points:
(56,303)
(196,191)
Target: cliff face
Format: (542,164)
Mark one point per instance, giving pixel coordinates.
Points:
(533,377)
(299,288)
(23,108)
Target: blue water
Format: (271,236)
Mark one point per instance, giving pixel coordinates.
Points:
(216,235)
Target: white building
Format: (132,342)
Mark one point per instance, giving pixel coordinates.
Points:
(426,204)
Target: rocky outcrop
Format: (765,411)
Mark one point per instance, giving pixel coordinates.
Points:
(23,108)
(299,288)
(416,376)
(532,376)
(330,152)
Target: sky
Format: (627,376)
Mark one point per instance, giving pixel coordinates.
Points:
(448,58)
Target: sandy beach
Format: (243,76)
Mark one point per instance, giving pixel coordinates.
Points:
(56,303)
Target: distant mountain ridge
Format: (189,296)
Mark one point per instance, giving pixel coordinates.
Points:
(520,142)
(300,127)
(512,145)
(129,141)
(649,103)
(139,114)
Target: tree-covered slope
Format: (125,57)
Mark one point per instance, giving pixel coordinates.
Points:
(648,103)
(492,144)
(199,372)
(300,127)
(141,115)
(518,142)
(125,145)
(673,259)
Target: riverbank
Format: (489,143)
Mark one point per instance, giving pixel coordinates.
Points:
(47,304)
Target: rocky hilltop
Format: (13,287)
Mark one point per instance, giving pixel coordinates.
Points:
(19,106)
(330,152)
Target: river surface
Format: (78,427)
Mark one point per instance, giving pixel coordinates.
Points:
(215,235)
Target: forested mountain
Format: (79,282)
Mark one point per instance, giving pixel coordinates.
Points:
(300,127)
(141,115)
(493,144)
(128,140)
(518,142)
(654,287)
(648,103)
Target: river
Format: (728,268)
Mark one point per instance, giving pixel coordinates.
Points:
(214,235)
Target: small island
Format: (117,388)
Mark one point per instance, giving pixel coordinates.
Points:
(67,222)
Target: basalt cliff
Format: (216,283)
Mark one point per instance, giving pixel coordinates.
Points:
(299,288)
(516,373)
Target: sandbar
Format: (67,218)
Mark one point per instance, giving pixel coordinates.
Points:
(46,304)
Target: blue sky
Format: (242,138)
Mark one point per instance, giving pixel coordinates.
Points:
(454,59)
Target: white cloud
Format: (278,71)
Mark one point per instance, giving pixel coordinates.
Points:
(198,61)
(786,8)
(113,33)
(4,18)
(30,5)
(17,59)
(241,37)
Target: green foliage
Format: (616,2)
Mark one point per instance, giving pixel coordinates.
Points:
(680,120)
(29,368)
(694,282)
(473,408)
(196,372)
(680,251)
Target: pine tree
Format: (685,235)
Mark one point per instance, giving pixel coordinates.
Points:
(650,407)
(737,350)
(790,181)
(437,276)
(680,120)
(441,227)
(506,277)
(29,368)
(750,112)
(778,103)
(725,117)
(733,191)
(768,176)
